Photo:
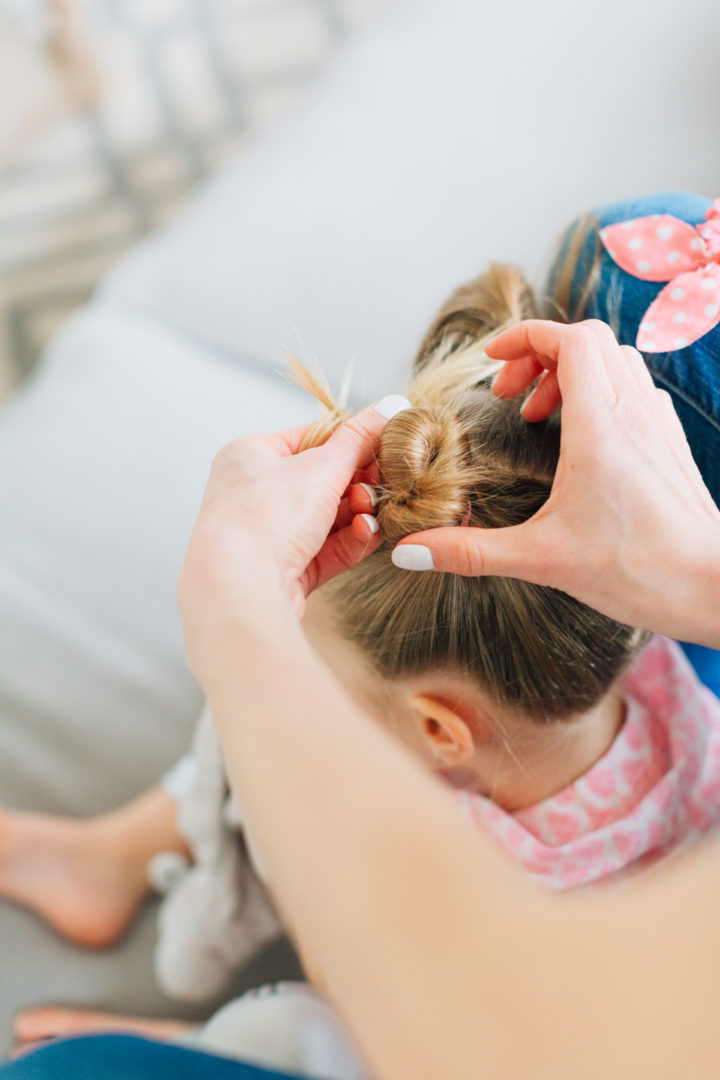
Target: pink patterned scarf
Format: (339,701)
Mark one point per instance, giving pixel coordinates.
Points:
(656,787)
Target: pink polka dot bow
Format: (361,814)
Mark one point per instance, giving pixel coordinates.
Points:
(664,248)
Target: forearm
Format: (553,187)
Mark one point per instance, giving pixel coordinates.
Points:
(439,955)
(368,857)
(687,584)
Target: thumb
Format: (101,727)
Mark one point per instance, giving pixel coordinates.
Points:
(472,552)
(351,446)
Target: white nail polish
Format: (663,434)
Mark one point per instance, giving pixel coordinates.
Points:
(372,522)
(413,557)
(372,494)
(391,405)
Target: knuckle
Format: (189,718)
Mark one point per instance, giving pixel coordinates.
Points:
(598,328)
(233,460)
(356,431)
(231,452)
(226,453)
(468,558)
(351,435)
(581,335)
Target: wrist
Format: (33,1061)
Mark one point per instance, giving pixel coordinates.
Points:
(231,638)
(706,599)
(672,586)
(218,606)
(697,597)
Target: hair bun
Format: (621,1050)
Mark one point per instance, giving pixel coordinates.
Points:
(424,471)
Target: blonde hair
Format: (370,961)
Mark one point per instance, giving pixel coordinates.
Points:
(463,455)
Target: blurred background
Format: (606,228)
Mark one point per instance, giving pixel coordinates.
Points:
(111,111)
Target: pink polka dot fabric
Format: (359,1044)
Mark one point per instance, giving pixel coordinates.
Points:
(657,786)
(664,248)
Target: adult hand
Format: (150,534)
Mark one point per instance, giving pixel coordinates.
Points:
(275,523)
(629,527)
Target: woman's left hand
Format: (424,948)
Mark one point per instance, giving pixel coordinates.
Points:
(275,523)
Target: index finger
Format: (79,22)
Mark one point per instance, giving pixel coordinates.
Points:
(538,338)
(574,351)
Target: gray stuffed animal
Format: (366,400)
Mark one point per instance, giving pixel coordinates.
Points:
(217,912)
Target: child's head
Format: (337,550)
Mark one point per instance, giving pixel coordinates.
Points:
(515,662)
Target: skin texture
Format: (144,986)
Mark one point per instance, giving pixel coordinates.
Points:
(629,528)
(514,980)
(458,934)
(88,878)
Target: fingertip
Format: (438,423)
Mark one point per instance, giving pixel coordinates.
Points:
(497,383)
(413,557)
(543,400)
(528,409)
(455,549)
(494,347)
(364,526)
(362,498)
(371,522)
(368,474)
(391,405)
(515,376)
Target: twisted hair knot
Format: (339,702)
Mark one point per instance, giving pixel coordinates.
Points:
(425,471)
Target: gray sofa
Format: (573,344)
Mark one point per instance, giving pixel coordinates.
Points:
(449,133)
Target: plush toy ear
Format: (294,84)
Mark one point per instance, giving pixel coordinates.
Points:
(446,735)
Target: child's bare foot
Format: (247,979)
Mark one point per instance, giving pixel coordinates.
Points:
(75,874)
(50,1022)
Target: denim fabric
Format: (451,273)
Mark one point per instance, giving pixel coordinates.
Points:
(127,1057)
(691,375)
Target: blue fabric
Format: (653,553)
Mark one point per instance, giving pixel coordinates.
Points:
(691,375)
(127,1057)
(706,663)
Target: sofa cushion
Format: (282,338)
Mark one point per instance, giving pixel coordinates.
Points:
(104,457)
(450,133)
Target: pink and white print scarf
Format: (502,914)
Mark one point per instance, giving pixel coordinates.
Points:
(656,787)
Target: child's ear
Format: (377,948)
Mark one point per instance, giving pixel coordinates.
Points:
(445,734)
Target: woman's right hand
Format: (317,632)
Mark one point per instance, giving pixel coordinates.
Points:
(629,527)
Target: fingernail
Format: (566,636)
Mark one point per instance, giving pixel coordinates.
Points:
(371,520)
(371,493)
(391,405)
(413,557)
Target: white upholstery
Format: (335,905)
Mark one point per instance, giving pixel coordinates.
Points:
(104,457)
(451,133)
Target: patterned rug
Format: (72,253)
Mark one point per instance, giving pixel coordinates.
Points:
(183,84)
